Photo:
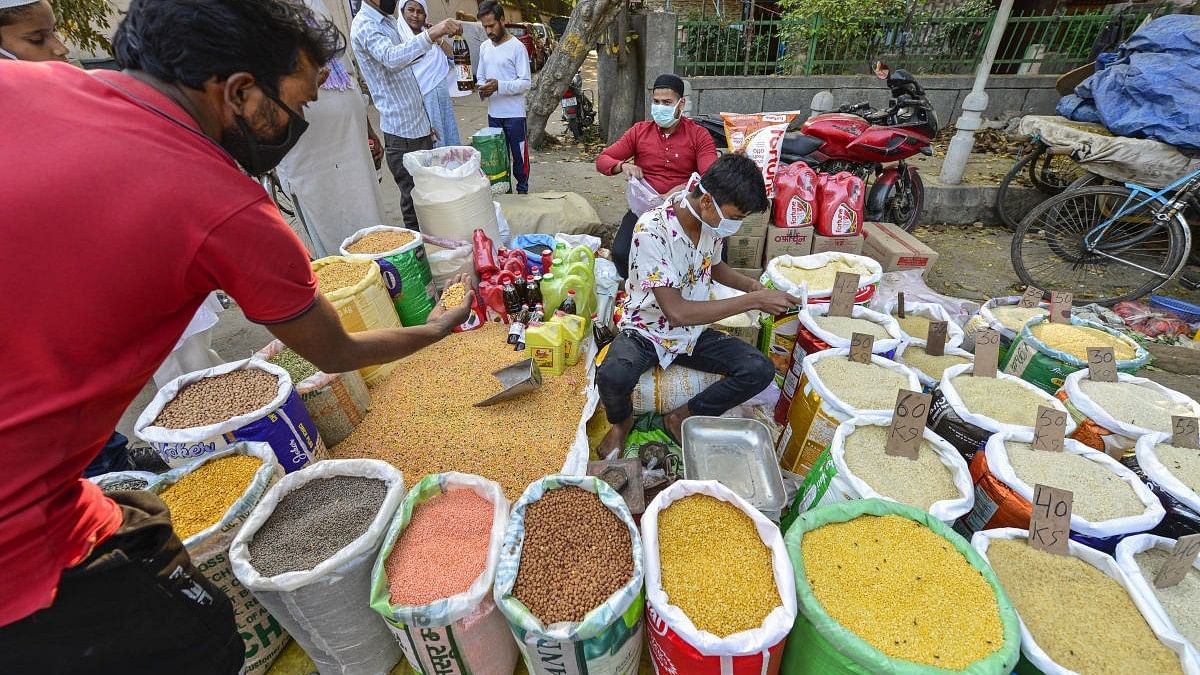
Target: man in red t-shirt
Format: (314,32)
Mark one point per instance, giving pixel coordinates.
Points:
(664,150)
(123,208)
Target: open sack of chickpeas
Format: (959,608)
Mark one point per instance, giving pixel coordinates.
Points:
(719,586)
(570,579)
(250,400)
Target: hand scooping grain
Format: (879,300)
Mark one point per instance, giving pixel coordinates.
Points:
(382,241)
(218,398)
(454,296)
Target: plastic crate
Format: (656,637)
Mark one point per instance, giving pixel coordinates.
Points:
(1187,311)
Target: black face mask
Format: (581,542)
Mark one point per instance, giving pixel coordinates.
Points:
(388,7)
(257,156)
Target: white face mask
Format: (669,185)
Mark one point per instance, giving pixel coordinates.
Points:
(5,52)
(727,227)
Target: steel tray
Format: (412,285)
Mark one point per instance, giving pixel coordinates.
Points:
(739,454)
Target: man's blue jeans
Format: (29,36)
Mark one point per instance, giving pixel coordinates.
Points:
(514,135)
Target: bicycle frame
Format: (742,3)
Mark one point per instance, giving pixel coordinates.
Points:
(1183,187)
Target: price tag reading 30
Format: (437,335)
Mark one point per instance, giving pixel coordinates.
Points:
(908,424)
(1050,522)
(987,352)
(1176,567)
(845,288)
(1102,364)
(861,346)
(1050,429)
(1185,432)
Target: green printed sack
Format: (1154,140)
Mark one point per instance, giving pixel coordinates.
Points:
(406,274)
(493,158)
(819,645)
(1047,368)
(463,634)
(209,551)
(609,639)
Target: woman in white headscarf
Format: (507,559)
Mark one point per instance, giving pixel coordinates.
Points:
(431,70)
(332,170)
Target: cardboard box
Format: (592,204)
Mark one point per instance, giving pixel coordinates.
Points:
(744,250)
(849,244)
(788,241)
(755,225)
(896,249)
(752,272)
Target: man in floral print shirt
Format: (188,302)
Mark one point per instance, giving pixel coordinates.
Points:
(674,258)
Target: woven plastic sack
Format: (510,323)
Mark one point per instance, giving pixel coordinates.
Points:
(364,306)
(867,283)
(609,639)
(1030,649)
(663,390)
(462,634)
(326,609)
(1157,472)
(284,423)
(676,644)
(337,402)
(450,193)
(1033,361)
(641,197)
(819,645)
(985,319)
(1142,587)
(209,551)
(950,418)
(816,412)
(406,274)
(1181,520)
(928,382)
(931,311)
(494,160)
(1002,499)
(115,481)
(1100,430)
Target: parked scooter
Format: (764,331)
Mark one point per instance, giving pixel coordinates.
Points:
(577,109)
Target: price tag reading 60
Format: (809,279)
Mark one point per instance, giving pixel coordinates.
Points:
(908,424)
(1050,522)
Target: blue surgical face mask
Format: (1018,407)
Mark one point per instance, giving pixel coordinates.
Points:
(663,115)
(727,227)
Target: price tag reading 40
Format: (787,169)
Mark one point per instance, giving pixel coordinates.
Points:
(1050,522)
(908,424)
(1176,567)
(861,346)
(1102,364)
(845,288)
(1186,432)
(1050,429)
(987,352)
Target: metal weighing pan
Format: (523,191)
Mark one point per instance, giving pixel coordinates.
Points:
(739,454)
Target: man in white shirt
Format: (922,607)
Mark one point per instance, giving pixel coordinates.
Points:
(675,258)
(385,58)
(503,77)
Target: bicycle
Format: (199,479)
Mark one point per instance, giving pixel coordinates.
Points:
(1107,243)
(1050,172)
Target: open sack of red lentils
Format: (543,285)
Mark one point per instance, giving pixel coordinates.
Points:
(307,552)
(1110,502)
(719,584)
(887,588)
(432,580)
(1141,557)
(1112,416)
(210,498)
(207,410)
(570,577)
(1079,613)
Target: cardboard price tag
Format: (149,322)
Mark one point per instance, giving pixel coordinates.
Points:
(1050,524)
(1032,297)
(1050,429)
(1185,432)
(987,352)
(900,304)
(1176,567)
(861,347)
(908,424)
(845,288)
(1060,306)
(1102,364)
(935,339)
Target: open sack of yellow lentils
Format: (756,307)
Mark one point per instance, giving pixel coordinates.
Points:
(387,524)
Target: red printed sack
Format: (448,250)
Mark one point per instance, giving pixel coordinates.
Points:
(840,200)
(795,196)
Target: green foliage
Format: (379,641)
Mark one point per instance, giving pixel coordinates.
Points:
(845,30)
(82,22)
(720,45)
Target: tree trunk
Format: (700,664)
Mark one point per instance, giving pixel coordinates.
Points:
(588,21)
(625,92)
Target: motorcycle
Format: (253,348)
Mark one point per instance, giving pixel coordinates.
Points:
(577,109)
(860,139)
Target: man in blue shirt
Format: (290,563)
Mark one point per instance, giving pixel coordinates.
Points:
(384,58)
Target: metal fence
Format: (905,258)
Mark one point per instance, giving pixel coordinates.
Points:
(1047,43)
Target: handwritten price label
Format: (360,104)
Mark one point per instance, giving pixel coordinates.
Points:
(1050,523)
(861,346)
(845,288)
(935,339)
(1032,297)
(1060,307)
(908,424)
(1102,364)
(900,304)
(1185,432)
(1182,558)
(987,352)
(1050,430)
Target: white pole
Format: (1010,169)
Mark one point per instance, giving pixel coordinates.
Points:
(974,104)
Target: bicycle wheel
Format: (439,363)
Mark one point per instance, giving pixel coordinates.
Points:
(1134,255)
(1005,207)
(1051,173)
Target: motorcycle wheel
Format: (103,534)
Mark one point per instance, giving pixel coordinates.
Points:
(576,128)
(905,200)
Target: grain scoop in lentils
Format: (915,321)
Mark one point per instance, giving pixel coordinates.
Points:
(575,555)
(218,398)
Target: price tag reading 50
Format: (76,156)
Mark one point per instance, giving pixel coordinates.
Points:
(1050,523)
(1051,429)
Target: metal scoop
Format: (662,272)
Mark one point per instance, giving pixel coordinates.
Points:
(517,379)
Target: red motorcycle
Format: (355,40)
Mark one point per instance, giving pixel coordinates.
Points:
(862,140)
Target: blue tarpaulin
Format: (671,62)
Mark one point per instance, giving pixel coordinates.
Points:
(1151,90)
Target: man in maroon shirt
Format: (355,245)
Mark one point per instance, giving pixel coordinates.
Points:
(133,178)
(664,150)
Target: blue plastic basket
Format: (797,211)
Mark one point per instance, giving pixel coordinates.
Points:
(1187,311)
